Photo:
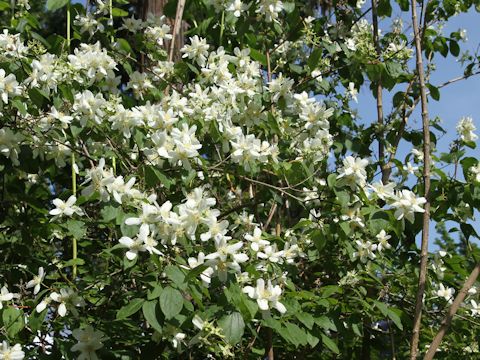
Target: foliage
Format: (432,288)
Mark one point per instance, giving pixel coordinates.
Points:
(229,201)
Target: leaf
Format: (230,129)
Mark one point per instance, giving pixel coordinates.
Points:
(233,327)
(22,109)
(434,92)
(4,5)
(131,308)
(151,313)
(53,5)
(258,56)
(13,321)
(454,48)
(116,12)
(76,229)
(154,177)
(329,343)
(318,239)
(306,319)
(171,302)
(395,318)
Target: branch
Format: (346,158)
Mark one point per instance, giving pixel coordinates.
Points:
(381,145)
(451,313)
(426,178)
(176,27)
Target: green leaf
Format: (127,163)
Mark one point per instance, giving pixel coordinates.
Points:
(22,109)
(314,59)
(329,343)
(434,92)
(258,56)
(289,7)
(454,48)
(131,308)
(306,319)
(152,313)
(395,318)
(233,327)
(4,5)
(171,302)
(116,12)
(13,321)
(76,229)
(154,177)
(318,239)
(53,5)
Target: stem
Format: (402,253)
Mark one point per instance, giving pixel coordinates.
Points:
(110,10)
(381,145)
(74,191)
(176,27)
(451,312)
(69,36)
(222,27)
(426,178)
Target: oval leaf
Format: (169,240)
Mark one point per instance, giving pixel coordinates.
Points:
(171,302)
(131,308)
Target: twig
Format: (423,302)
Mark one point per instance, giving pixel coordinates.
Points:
(426,178)
(176,27)
(451,313)
(379,89)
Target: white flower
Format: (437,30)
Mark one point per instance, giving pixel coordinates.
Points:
(352,92)
(225,257)
(64,298)
(446,293)
(11,353)
(134,245)
(66,208)
(177,339)
(365,250)
(353,172)
(236,7)
(197,50)
(198,322)
(256,240)
(475,170)
(206,274)
(270,9)
(89,340)
(475,308)
(6,295)
(36,281)
(271,254)
(410,168)
(266,297)
(10,144)
(466,128)
(8,86)
(382,191)
(406,204)
(382,239)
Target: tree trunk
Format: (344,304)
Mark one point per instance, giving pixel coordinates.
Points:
(156,7)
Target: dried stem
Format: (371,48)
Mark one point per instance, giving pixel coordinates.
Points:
(426,178)
(176,27)
(381,145)
(451,313)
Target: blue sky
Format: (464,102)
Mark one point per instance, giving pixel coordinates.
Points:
(457,100)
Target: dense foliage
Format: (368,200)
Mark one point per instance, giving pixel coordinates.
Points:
(227,201)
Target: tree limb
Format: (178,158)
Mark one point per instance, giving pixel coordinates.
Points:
(426,178)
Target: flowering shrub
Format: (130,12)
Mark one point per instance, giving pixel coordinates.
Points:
(228,203)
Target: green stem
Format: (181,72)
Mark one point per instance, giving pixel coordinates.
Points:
(114,165)
(222,27)
(74,191)
(69,36)
(110,10)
